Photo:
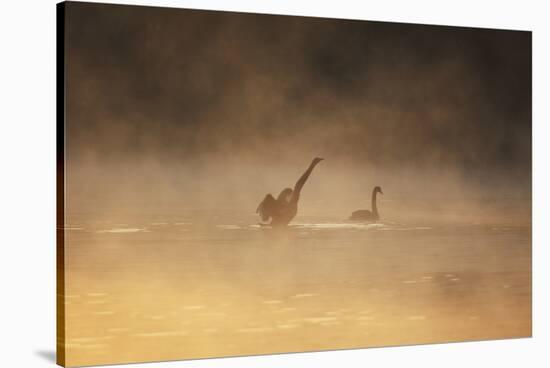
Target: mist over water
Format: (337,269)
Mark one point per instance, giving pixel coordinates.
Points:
(179,122)
(172,108)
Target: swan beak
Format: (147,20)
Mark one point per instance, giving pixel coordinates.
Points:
(381,192)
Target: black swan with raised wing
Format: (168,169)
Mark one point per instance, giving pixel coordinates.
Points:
(366,215)
(283,209)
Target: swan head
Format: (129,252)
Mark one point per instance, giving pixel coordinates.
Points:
(377,189)
(316,160)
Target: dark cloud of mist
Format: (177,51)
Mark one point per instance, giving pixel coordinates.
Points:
(227,101)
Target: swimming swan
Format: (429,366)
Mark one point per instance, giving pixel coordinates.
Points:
(366,215)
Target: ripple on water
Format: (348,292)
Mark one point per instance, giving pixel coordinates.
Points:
(103,313)
(70,296)
(365,318)
(329,323)
(287,326)
(319,319)
(229,227)
(416,318)
(118,329)
(94,295)
(213,314)
(286,309)
(412,228)
(86,339)
(73,228)
(254,329)
(161,334)
(338,226)
(157,318)
(124,230)
(193,307)
(304,295)
(86,347)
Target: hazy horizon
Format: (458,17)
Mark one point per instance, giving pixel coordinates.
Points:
(176,102)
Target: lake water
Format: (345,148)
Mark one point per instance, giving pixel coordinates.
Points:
(207,285)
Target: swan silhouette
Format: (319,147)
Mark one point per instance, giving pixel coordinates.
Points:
(283,209)
(366,215)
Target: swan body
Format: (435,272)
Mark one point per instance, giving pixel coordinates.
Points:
(366,215)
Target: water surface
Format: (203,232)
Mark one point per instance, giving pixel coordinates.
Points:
(188,286)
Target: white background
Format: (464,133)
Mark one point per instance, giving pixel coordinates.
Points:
(27,181)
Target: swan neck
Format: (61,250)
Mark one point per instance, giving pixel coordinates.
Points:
(373,201)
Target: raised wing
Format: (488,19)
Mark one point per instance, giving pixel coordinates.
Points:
(267,207)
